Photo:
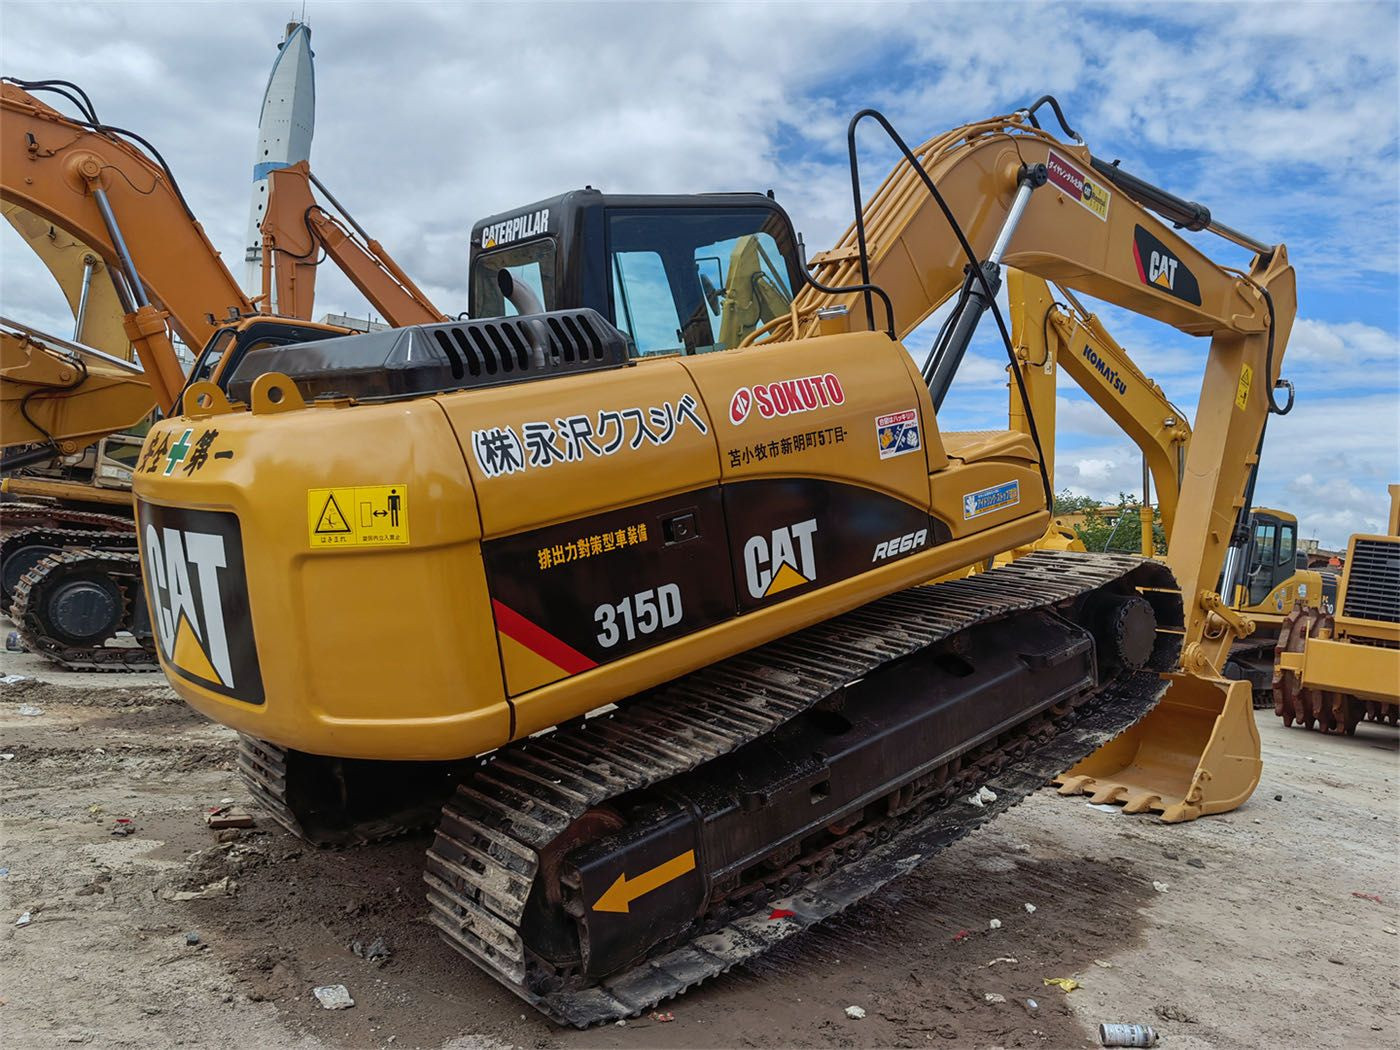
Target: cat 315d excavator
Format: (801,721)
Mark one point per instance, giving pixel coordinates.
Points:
(651,610)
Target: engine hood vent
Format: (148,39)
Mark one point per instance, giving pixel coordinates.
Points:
(432,358)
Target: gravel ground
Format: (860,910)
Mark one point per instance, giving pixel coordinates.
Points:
(1258,938)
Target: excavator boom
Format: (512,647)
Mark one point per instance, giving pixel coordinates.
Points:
(1043,207)
(296,228)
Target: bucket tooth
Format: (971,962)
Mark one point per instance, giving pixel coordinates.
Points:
(1069,785)
(1107,794)
(1143,802)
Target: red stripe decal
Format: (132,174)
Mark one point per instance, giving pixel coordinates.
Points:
(535,638)
(1142,274)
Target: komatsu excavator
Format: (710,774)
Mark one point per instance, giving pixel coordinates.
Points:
(1053,332)
(81,194)
(660,642)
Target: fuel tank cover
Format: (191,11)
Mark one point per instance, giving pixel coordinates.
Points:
(431,358)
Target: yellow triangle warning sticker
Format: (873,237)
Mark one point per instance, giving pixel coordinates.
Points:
(332,520)
(785,579)
(189,655)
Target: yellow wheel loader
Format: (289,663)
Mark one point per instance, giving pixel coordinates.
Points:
(654,641)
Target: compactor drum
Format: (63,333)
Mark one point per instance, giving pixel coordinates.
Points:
(653,559)
(1334,670)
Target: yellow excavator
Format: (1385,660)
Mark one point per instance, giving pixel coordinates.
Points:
(1053,332)
(664,664)
(110,222)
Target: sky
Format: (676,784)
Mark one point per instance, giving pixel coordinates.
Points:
(1281,117)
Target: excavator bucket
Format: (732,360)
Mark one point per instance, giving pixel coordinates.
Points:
(1196,752)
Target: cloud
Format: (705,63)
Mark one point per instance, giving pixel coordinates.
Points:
(431,116)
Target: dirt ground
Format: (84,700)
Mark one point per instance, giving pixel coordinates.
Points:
(1257,939)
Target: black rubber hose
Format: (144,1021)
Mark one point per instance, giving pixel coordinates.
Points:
(974,263)
(104,129)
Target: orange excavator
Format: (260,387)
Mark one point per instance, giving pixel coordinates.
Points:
(84,195)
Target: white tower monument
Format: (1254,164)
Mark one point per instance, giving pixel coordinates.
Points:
(286,123)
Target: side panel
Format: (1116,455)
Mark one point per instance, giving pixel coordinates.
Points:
(571,596)
(842,408)
(791,535)
(558,450)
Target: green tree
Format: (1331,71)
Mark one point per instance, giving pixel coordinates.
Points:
(1106,527)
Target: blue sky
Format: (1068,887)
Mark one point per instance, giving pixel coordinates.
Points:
(1281,117)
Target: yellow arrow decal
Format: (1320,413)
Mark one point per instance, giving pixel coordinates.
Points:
(623,892)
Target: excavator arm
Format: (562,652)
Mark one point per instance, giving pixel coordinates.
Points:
(1004,192)
(105,193)
(1052,331)
(1023,199)
(296,228)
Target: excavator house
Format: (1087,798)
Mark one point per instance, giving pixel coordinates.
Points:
(627,580)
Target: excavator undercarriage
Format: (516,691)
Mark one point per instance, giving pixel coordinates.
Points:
(751,799)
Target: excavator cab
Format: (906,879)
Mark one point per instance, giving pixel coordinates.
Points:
(1271,563)
(229,345)
(676,273)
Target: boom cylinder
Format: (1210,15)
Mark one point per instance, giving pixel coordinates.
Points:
(948,356)
(109,219)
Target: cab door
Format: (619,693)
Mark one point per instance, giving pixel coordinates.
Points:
(1263,558)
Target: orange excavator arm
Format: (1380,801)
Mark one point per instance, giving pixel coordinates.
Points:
(296,228)
(89,182)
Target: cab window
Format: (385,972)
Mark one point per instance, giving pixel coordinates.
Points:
(1262,559)
(696,280)
(208,362)
(646,311)
(1286,543)
(530,264)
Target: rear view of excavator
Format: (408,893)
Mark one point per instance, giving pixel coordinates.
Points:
(1333,670)
(649,538)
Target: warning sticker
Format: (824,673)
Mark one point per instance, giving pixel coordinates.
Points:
(1242,388)
(365,516)
(897,433)
(1087,190)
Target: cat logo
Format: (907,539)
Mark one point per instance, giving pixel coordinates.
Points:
(192,562)
(782,560)
(1158,267)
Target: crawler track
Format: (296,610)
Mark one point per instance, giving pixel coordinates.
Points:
(486,861)
(122,569)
